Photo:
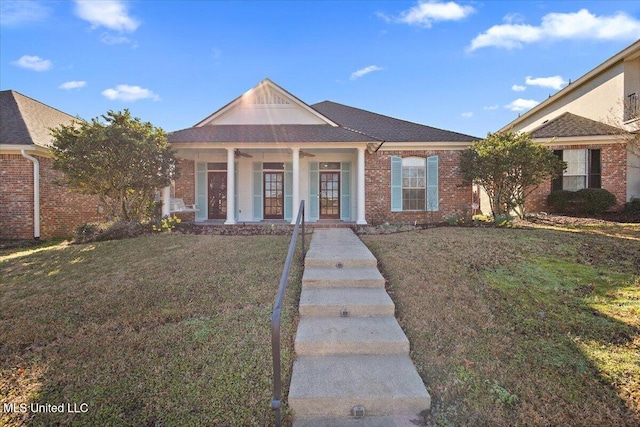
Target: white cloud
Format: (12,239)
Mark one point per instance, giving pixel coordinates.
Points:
(424,14)
(129,93)
(554,82)
(73,84)
(16,13)
(513,18)
(491,107)
(554,26)
(111,14)
(467,114)
(518,88)
(521,104)
(34,63)
(366,70)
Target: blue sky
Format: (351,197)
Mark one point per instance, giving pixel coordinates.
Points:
(466,66)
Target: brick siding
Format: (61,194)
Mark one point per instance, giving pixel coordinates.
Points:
(455,198)
(185,187)
(61,210)
(613,175)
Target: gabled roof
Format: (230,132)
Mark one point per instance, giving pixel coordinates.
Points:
(568,124)
(332,122)
(25,121)
(386,128)
(265,92)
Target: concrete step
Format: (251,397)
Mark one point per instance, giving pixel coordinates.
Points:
(348,252)
(367,421)
(359,301)
(331,277)
(319,336)
(329,386)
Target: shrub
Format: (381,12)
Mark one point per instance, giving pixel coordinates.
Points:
(632,206)
(112,230)
(561,200)
(585,201)
(594,200)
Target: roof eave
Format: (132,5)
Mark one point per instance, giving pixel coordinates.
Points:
(585,140)
(425,145)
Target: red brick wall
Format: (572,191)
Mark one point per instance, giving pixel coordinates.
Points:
(16,197)
(614,175)
(455,199)
(61,210)
(185,186)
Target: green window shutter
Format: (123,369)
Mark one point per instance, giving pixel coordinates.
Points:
(345,191)
(396,184)
(257,191)
(314,202)
(433,196)
(288,191)
(235,190)
(201,191)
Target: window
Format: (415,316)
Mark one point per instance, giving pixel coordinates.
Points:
(583,170)
(414,184)
(632,107)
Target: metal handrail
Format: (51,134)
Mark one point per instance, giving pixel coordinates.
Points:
(276,403)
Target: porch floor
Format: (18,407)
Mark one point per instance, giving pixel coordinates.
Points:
(323,223)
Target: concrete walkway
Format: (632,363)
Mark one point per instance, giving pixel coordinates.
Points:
(350,350)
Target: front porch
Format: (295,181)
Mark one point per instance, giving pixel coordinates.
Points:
(256,185)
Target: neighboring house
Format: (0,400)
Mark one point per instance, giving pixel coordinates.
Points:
(583,123)
(32,205)
(255,158)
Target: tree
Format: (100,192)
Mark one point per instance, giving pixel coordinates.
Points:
(121,159)
(628,130)
(510,166)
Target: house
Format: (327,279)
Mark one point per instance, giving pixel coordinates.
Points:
(257,157)
(584,122)
(32,205)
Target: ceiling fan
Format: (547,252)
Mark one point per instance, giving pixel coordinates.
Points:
(239,153)
(305,154)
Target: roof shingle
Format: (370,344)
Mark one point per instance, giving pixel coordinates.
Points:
(384,127)
(568,124)
(267,133)
(355,125)
(25,121)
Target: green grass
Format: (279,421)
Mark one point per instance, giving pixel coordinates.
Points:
(161,330)
(520,327)
(507,326)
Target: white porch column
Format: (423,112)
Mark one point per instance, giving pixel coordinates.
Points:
(361,206)
(231,201)
(166,199)
(296,183)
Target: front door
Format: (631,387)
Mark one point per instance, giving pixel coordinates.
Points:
(217,195)
(273,195)
(330,195)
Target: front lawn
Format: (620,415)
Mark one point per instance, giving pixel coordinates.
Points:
(163,330)
(507,326)
(529,327)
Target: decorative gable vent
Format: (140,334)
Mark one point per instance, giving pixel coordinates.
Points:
(269,97)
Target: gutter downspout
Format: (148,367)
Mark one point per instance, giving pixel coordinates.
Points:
(36,194)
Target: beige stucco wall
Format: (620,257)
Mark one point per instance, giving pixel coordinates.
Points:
(598,99)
